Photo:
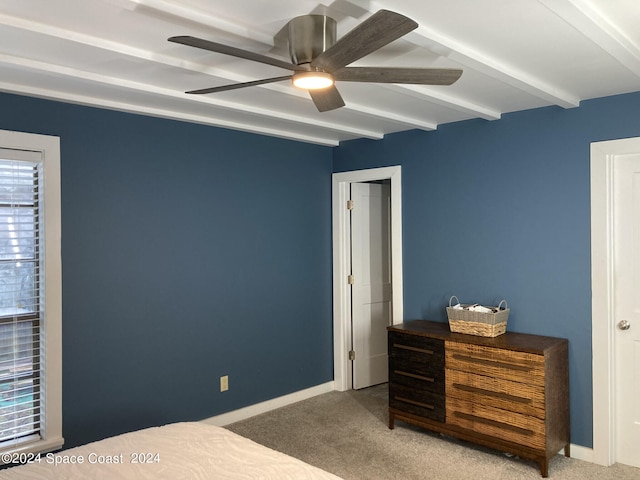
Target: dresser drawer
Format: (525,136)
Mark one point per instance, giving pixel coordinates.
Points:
(428,366)
(405,373)
(497,392)
(416,349)
(501,424)
(417,402)
(416,341)
(494,362)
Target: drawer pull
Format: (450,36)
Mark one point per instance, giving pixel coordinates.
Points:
(487,421)
(482,391)
(413,349)
(413,402)
(413,375)
(491,363)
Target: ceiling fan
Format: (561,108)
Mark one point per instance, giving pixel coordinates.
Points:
(318,60)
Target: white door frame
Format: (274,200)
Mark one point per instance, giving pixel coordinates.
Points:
(602,314)
(342,374)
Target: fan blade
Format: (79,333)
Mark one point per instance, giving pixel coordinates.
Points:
(327,98)
(233,51)
(417,76)
(234,86)
(381,28)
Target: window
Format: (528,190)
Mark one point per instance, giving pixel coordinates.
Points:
(30,293)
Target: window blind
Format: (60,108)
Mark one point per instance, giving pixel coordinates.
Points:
(20,295)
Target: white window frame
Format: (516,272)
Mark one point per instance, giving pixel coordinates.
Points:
(51,330)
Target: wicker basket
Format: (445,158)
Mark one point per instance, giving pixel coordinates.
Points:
(477,323)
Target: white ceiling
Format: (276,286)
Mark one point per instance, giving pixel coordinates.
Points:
(516,55)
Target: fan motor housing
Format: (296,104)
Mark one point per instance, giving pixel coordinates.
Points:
(309,36)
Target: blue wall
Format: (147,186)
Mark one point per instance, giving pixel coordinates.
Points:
(189,252)
(501,209)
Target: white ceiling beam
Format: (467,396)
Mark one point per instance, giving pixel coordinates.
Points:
(167,60)
(204,19)
(116,47)
(134,52)
(75,37)
(482,63)
(486,65)
(139,53)
(393,117)
(162,113)
(593,25)
(130,85)
(440,97)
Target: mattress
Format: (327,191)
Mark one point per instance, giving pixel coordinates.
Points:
(188,450)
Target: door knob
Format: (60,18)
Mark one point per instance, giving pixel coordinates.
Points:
(624,325)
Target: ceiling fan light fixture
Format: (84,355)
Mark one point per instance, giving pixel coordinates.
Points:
(312,80)
(318,59)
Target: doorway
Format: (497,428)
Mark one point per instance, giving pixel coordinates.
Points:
(342,331)
(370,280)
(607,337)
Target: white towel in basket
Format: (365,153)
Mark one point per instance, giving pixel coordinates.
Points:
(480,308)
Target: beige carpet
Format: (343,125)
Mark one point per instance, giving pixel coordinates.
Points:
(346,433)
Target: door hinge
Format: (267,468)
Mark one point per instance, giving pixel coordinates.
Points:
(352,355)
(351,279)
(349,204)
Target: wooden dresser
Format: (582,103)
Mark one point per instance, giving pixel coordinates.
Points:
(510,392)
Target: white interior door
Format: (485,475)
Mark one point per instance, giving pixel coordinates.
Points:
(371,288)
(627,307)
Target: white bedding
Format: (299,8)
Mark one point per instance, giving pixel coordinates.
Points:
(193,451)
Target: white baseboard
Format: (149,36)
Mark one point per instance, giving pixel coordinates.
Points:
(263,407)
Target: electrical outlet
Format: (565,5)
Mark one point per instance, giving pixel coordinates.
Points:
(224,383)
